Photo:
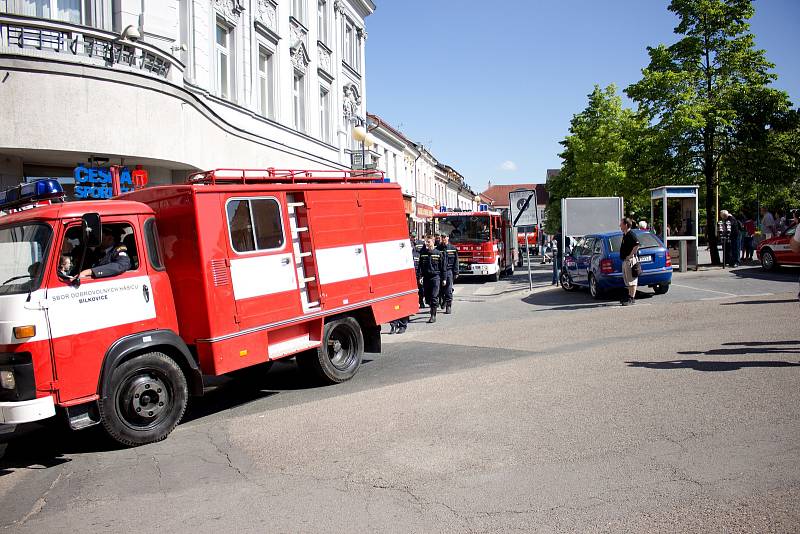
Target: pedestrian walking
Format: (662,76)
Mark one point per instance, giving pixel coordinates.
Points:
(432,270)
(558,257)
(451,273)
(628,251)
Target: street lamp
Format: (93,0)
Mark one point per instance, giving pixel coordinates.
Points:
(361,133)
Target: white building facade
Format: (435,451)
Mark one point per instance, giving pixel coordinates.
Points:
(179,85)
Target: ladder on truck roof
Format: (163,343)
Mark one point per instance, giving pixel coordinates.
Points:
(284,176)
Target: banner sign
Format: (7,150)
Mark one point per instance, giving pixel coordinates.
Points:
(95,182)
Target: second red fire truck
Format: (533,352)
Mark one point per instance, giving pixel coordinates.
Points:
(233,269)
(484,240)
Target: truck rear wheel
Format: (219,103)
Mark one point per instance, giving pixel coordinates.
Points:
(339,356)
(146,399)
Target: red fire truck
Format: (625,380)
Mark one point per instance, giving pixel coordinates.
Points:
(235,268)
(484,240)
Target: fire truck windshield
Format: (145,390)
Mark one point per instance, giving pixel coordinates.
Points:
(465,228)
(23,249)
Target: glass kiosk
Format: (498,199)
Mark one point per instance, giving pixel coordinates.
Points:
(674,217)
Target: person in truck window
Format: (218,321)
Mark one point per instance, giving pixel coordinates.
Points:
(112,257)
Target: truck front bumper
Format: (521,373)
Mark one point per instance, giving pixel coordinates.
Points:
(13,413)
(477,269)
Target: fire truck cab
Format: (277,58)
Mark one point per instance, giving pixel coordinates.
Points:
(233,269)
(484,240)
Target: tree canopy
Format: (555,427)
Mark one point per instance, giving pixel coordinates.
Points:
(706,113)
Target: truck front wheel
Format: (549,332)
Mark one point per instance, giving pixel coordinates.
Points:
(339,356)
(146,399)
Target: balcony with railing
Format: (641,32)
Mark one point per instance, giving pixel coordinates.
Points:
(65,42)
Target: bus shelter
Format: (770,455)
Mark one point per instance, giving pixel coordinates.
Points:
(674,217)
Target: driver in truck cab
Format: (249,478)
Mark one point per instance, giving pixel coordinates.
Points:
(112,258)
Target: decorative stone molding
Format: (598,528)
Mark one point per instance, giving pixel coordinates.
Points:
(351,102)
(300,59)
(324,58)
(338,6)
(267,14)
(362,33)
(298,33)
(230,9)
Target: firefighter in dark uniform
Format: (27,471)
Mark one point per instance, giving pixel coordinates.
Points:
(451,272)
(431,267)
(415,250)
(112,258)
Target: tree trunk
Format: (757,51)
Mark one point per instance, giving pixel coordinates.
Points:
(711,216)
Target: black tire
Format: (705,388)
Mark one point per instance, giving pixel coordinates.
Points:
(660,289)
(146,400)
(339,356)
(594,289)
(566,282)
(768,262)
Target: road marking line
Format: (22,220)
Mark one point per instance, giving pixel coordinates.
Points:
(708,290)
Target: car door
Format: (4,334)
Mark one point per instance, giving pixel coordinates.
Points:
(783,252)
(263,272)
(584,259)
(596,256)
(86,319)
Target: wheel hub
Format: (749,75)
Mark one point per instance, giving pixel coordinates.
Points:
(146,397)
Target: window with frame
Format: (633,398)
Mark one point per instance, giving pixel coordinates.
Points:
(299,10)
(322,20)
(299,101)
(266,83)
(254,224)
(224,60)
(324,113)
(95,13)
(349,42)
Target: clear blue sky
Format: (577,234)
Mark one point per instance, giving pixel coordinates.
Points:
(484,87)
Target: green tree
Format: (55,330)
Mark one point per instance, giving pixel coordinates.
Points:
(597,155)
(695,94)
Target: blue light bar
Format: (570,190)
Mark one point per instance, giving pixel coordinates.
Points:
(25,194)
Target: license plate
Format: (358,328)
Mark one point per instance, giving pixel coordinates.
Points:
(645,259)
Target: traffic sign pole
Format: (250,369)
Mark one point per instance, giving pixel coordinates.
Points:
(524,200)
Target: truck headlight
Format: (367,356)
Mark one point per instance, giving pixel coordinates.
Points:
(7,380)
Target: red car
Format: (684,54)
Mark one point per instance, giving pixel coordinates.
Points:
(775,251)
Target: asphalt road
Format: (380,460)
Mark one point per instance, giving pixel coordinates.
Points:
(540,412)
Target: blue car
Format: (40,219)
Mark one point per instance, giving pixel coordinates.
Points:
(594,262)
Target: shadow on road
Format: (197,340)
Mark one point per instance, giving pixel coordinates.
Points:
(49,443)
(698,365)
(782,301)
(784,274)
(558,299)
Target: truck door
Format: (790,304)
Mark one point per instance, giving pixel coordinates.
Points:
(262,261)
(86,320)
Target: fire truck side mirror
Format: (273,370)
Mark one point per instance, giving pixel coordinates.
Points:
(92,229)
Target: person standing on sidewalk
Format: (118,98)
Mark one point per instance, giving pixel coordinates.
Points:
(432,270)
(768,227)
(450,254)
(749,236)
(628,251)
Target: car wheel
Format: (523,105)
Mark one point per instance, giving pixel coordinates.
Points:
(768,262)
(146,399)
(594,289)
(566,282)
(339,356)
(660,289)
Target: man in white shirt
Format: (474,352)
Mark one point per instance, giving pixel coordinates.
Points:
(767,223)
